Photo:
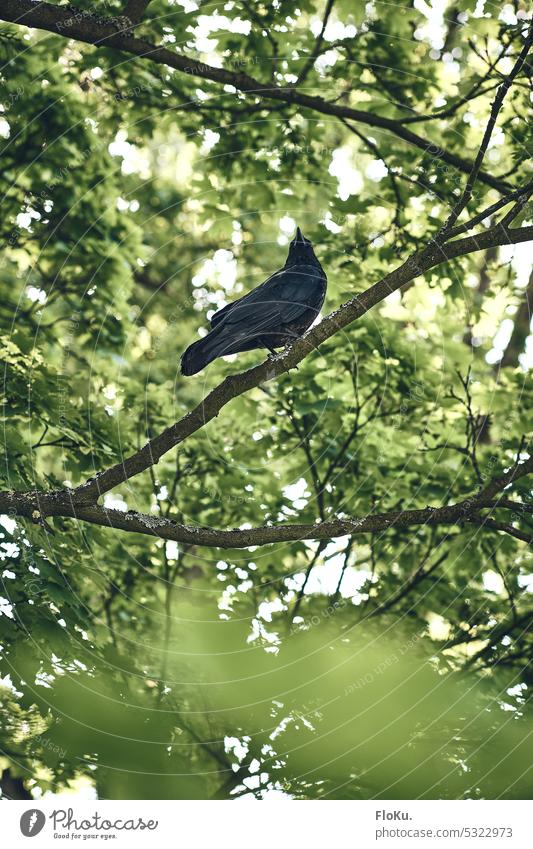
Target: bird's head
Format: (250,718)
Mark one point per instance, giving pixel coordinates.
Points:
(300,250)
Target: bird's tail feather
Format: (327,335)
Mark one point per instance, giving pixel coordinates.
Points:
(201,353)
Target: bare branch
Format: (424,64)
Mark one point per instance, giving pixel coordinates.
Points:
(521,194)
(521,328)
(475,91)
(39,505)
(420,575)
(485,522)
(518,207)
(518,507)
(372,146)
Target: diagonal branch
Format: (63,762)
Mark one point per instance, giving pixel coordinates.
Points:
(520,195)
(521,328)
(80,502)
(318,44)
(501,482)
(485,522)
(517,207)
(93,29)
(475,91)
(420,575)
(135,9)
(37,506)
(494,112)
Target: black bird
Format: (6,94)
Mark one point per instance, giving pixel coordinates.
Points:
(271,316)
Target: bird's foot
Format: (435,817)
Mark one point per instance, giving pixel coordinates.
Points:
(288,346)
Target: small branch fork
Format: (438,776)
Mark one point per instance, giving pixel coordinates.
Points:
(90,28)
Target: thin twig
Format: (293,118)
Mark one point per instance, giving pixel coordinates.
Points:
(494,112)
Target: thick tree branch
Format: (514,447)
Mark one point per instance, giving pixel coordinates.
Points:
(135,9)
(501,482)
(93,29)
(521,328)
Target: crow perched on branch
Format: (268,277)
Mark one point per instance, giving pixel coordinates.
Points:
(271,316)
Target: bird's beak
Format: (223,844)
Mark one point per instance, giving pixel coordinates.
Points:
(299,236)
